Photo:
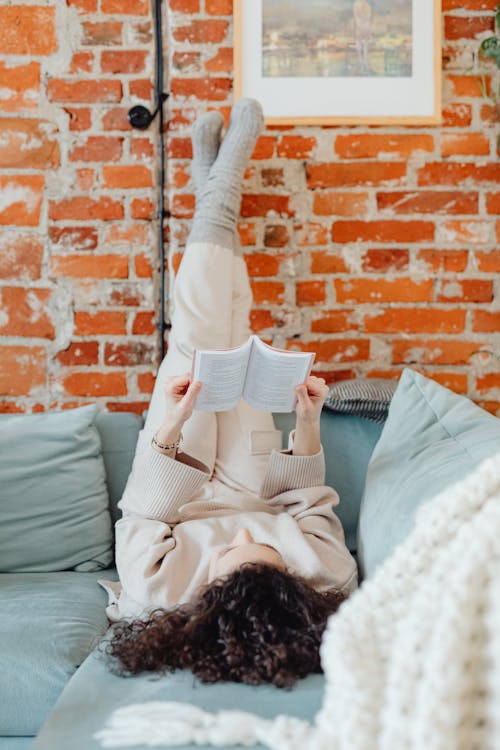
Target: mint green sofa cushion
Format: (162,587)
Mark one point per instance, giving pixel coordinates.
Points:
(432,438)
(49,624)
(348,442)
(53,496)
(118,432)
(94,693)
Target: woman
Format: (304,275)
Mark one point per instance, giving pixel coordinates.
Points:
(229,554)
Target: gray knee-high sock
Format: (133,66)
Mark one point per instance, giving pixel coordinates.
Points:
(218,206)
(206,141)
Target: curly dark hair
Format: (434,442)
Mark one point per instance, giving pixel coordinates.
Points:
(257,624)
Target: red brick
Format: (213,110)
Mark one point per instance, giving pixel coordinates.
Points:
(142,208)
(187,62)
(83,208)
(493,203)
(79,353)
(263,264)
(309,292)
(276,235)
(356,173)
(129,354)
(22,369)
(454,261)
(25,313)
(492,406)
(11,407)
(488,114)
(80,118)
(125,7)
(457,115)
(264,148)
(28,143)
(385,260)
(95,384)
(131,176)
(82,62)
(268,292)
(204,89)
(143,267)
(98,148)
(102,33)
(335,350)
(20,27)
(455,381)
(466,230)
(146,382)
(460,27)
(141,89)
(203,31)
(185,6)
(485,321)
(90,266)
(467,290)
(131,294)
(457,173)
(219,7)
(21,199)
(20,85)
(112,323)
(260,320)
(415,320)
(263,205)
(85,178)
(382,231)
(73,238)
(311,234)
(366,146)
(467,86)
(131,234)
(144,323)
(380,290)
(247,233)
(116,119)
(434,351)
(21,256)
(458,144)
(180,148)
(182,206)
(222,62)
(333,321)
(328,262)
(138,407)
(83,6)
(272,177)
(296,147)
(473,5)
(340,204)
(488,261)
(59,90)
(488,382)
(334,376)
(123,61)
(429,202)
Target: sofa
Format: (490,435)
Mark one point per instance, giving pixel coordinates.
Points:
(56,691)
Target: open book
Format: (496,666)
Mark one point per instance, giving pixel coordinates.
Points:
(263,375)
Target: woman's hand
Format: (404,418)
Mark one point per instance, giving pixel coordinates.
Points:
(311,396)
(180,395)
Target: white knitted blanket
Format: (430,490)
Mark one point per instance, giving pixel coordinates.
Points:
(411,660)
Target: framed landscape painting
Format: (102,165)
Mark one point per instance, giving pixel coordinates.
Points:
(340,61)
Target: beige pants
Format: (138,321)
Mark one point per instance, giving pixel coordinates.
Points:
(210,310)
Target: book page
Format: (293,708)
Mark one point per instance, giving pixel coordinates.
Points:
(222,372)
(272,376)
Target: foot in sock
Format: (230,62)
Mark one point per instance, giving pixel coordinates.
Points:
(206,141)
(219,201)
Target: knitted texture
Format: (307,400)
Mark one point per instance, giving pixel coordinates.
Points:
(411,660)
(363,397)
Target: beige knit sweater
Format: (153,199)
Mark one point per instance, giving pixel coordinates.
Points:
(174,518)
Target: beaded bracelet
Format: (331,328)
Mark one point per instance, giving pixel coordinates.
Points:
(169,446)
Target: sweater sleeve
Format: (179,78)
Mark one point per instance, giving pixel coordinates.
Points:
(288,472)
(159,484)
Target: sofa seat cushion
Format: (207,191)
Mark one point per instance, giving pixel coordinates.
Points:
(49,624)
(94,693)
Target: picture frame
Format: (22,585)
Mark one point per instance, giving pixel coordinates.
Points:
(327,64)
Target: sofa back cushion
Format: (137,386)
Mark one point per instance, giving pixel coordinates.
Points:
(53,496)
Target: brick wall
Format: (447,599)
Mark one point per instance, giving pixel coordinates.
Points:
(375,247)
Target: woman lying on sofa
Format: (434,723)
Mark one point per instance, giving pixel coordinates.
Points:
(229,554)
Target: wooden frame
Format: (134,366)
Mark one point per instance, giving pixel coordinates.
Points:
(242,87)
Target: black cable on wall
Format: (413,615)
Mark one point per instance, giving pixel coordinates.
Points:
(141,118)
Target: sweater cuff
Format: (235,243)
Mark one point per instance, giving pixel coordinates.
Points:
(167,485)
(288,472)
